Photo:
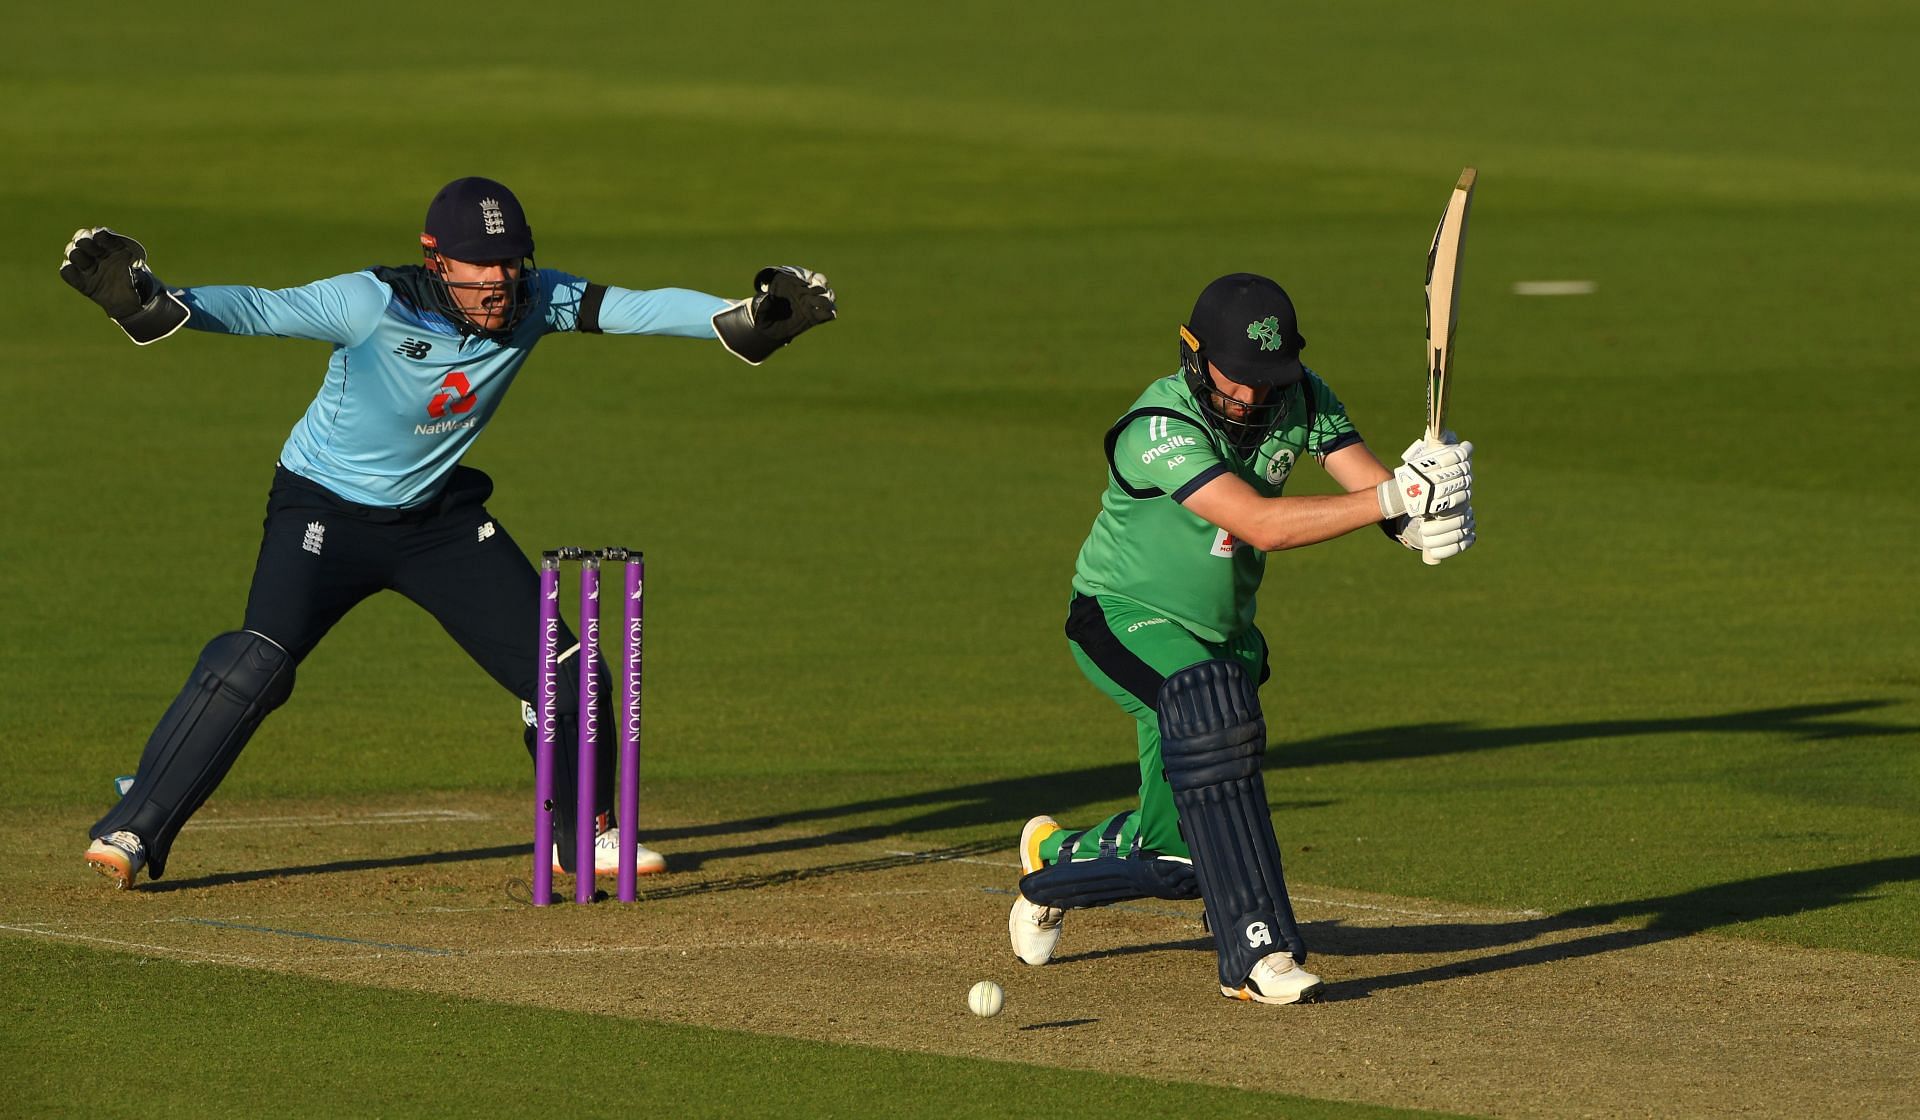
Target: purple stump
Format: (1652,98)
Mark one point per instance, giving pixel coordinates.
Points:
(633,616)
(585,801)
(546,728)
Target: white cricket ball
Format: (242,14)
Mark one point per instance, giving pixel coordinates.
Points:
(986,999)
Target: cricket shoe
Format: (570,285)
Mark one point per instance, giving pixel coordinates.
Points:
(1033,928)
(606,856)
(1277,978)
(119,856)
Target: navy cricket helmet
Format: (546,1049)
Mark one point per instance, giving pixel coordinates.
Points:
(479,221)
(1244,326)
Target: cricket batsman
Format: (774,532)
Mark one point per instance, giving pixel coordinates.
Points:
(1162,621)
(369,494)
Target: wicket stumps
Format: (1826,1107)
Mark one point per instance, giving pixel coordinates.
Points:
(547,729)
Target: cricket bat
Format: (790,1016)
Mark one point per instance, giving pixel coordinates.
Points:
(1443,299)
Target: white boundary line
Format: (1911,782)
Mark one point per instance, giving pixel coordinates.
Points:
(338,914)
(1423,913)
(1554,287)
(205,955)
(934,857)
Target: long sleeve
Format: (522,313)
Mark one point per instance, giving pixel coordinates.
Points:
(342,310)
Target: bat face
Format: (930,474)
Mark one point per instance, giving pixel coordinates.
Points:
(1443,289)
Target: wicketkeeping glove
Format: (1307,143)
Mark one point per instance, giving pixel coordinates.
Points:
(111,270)
(1433,478)
(787,300)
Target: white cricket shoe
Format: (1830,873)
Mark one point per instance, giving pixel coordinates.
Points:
(1277,979)
(1034,929)
(119,856)
(606,856)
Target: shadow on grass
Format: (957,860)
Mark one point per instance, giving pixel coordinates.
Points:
(1805,722)
(1667,917)
(415,859)
(798,874)
(694,859)
(1008,801)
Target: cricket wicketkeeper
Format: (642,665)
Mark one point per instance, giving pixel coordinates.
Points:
(1162,621)
(369,494)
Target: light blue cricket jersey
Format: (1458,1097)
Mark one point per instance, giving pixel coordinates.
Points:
(406,393)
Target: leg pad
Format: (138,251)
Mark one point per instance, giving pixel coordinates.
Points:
(1212,736)
(1110,879)
(240,677)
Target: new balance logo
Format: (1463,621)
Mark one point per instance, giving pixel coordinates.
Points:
(413,348)
(316,535)
(486,531)
(1257,935)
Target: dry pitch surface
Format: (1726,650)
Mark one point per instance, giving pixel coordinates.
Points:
(858,937)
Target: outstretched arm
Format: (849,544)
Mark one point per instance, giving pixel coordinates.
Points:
(786,302)
(111,269)
(602,309)
(342,310)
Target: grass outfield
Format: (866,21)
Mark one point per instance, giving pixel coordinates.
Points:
(1675,685)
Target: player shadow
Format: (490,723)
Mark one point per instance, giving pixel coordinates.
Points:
(1667,917)
(1517,944)
(785,875)
(416,859)
(966,806)
(1007,802)
(672,888)
(682,859)
(1806,722)
(1200,942)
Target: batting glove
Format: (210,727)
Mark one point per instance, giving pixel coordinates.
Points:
(1437,537)
(1432,479)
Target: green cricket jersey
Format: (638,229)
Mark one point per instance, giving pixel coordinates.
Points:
(1146,547)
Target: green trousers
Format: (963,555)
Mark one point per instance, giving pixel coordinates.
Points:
(1128,651)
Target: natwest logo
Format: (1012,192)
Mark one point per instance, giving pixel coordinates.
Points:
(454,395)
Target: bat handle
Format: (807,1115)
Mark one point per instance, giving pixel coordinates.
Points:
(1433,437)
